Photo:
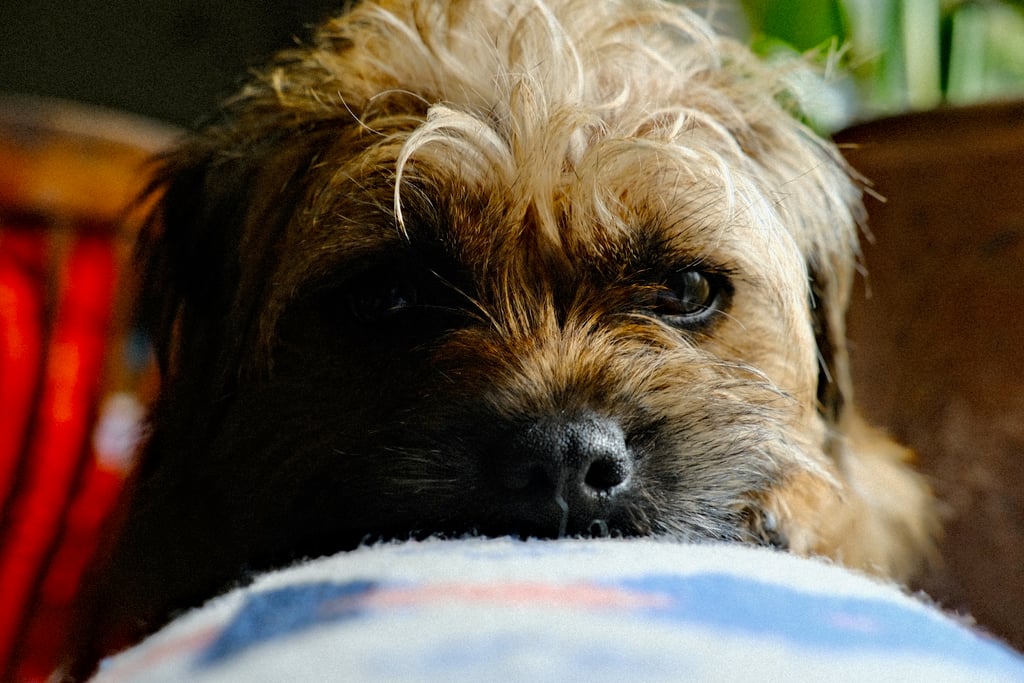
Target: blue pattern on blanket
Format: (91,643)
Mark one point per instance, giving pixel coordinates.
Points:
(819,621)
(284,612)
(720,602)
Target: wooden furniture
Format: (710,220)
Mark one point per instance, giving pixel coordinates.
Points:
(937,333)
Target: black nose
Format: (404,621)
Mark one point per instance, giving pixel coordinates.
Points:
(564,475)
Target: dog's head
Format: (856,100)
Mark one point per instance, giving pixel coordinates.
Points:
(536,268)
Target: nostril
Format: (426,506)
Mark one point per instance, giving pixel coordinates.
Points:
(605,474)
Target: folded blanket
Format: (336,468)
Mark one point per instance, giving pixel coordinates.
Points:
(593,610)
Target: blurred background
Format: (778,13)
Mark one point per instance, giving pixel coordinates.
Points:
(175,59)
(883,57)
(168,59)
(925,97)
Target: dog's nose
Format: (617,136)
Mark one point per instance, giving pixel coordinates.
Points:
(564,475)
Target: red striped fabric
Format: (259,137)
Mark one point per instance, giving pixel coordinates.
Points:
(69,175)
(56,491)
(22,297)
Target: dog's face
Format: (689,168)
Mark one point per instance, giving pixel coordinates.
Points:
(516,360)
(539,269)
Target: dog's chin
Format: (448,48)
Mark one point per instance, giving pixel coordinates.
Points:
(750,529)
(752,525)
(525,531)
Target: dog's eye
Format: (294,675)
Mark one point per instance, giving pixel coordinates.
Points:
(688,298)
(375,301)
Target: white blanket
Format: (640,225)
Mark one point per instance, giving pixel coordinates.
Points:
(596,610)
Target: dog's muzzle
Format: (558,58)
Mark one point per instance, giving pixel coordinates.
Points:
(564,475)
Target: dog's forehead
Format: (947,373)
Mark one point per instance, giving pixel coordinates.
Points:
(565,233)
(532,143)
(620,208)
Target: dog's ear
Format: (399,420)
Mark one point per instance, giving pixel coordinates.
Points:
(207,253)
(885,521)
(183,249)
(829,301)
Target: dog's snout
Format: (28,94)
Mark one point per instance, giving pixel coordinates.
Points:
(563,475)
(583,456)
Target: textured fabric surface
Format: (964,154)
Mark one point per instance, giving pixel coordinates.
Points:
(568,610)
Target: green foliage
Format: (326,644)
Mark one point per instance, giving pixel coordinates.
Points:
(900,54)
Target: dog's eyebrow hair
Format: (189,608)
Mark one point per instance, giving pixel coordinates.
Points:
(650,253)
(415,250)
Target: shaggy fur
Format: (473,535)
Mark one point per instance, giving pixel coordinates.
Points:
(542,268)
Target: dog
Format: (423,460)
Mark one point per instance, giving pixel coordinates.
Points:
(540,268)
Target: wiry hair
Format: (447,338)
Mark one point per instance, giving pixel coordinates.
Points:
(540,99)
